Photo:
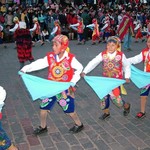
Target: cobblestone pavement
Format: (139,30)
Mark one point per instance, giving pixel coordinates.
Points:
(21,115)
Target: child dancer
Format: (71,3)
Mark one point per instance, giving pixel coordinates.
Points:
(96,33)
(114,63)
(16,21)
(56,30)
(138,30)
(62,66)
(106,29)
(5,142)
(144,57)
(80,30)
(36,32)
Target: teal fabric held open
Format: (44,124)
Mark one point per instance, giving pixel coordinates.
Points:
(40,88)
(103,85)
(139,78)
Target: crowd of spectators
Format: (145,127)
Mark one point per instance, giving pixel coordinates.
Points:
(67,14)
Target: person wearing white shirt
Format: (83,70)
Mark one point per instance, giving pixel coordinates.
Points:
(45,35)
(36,32)
(64,67)
(5,142)
(16,21)
(114,64)
(144,57)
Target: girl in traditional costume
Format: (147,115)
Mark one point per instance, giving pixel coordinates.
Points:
(96,33)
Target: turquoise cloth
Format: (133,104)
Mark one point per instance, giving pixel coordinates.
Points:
(92,28)
(74,28)
(103,85)
(139,78)
(40,88)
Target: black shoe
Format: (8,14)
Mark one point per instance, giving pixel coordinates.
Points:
(126,110)
(76,128)
(104,116)
(40,130)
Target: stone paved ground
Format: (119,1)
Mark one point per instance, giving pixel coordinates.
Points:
(21,115)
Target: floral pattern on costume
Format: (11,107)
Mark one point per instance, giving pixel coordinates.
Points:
(103,103)
(60,71)
(144,89)
(111,67)
(45,102)
(117,101)
(4,139)
(62,100)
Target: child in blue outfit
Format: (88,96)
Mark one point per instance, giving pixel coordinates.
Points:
(5,142)
(62,67)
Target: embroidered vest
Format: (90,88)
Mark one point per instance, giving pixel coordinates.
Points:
(96,30)
(112,68)
(37,30)
(58,30)
(80,28)
(108,28)
(60,71)
(16,29)
(146,59)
